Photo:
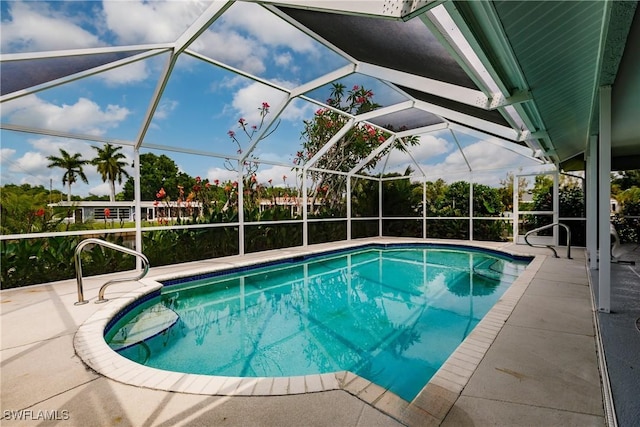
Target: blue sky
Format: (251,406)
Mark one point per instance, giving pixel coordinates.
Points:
(201,102)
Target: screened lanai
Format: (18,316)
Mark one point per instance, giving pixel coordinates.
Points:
(317,98)
(234,128)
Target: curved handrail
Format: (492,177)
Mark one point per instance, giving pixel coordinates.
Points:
(78,262)
(544,227)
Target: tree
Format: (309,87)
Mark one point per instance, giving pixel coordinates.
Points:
(625,180)
(72,166)
(358,143)
(110,166)
(487,201)
(506,190)
(630,201)
(158,172)
(543,193)
(23,209)
(401,197)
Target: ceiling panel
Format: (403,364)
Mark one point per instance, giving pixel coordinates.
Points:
(406,46)
(23,74)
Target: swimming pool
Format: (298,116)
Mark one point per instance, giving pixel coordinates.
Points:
(391,314)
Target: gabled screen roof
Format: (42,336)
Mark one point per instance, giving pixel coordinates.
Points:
(442,65)
(405,46)
(23,74)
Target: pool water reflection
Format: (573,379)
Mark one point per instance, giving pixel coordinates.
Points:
(392,316)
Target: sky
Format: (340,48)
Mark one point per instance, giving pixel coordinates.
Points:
(201,102)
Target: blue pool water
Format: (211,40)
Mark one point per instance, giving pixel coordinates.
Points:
(391,315)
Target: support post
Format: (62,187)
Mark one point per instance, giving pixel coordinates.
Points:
(240,208)
(515,189)
(424,208)
(471,213)
(380,213)
(556,206)
(305,210)
(591,193)
(136,208)
(349,223)
(604,202)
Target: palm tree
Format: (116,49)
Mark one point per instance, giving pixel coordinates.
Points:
(72,166)
(110,166)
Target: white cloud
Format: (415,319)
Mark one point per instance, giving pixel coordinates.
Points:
(267,28)
(166,107)
(247,36)
(233,48)
(275,174)
(221,175)
(49,146)
(6,154)
(103,189)
(85,116)
(283,60)
(36,27)
(30,162)
(127,74)
(129,20)
(248,100)
(430,146)
(230,82)
(483,156)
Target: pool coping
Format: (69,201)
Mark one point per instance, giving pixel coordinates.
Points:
(433,402)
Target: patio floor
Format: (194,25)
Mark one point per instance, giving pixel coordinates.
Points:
(540,368)
(620,330)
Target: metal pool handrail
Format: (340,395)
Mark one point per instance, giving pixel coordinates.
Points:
(544,227)
(78,263)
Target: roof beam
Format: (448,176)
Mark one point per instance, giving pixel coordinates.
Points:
(155,99)
(510,76)
(61,134)
(362,163)
(518,97)
(25,56)
(286,18)
(327,146)
(383,111)
(424,129)
(450,91)
(236,71)
(381,8)
(471,121)
(323,80)
(526,135)
(464,156)
(213,12)
(81,74)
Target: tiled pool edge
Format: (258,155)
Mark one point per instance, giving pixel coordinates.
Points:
(430,406)
(441,392)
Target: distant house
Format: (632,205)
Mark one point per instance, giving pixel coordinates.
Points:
(615,206)
(292,202)
(84,211)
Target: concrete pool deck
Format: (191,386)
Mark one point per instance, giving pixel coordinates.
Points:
(534,363)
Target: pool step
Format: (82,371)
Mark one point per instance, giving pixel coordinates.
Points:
(496,270)
(145,325)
